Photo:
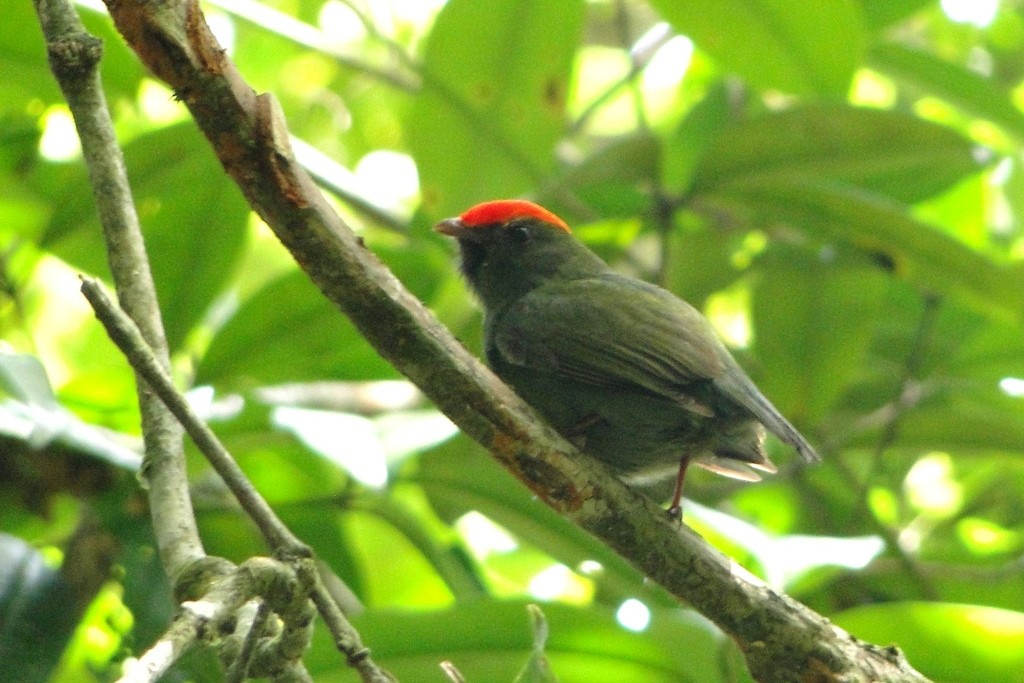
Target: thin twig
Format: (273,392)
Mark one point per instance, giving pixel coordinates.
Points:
(299,32)
(286,545)
(238,671)
(638,59)
(205,617)
(908,396)
(126,335)
(657,36)
(639,56)
(74,57)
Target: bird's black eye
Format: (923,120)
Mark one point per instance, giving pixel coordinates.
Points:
(520,233)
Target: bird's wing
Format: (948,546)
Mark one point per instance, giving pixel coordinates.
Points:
(612,331)
(617,332)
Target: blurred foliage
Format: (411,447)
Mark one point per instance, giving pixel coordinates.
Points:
(838,185)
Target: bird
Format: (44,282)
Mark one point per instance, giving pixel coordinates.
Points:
(625,370)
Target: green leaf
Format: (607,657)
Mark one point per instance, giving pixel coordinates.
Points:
(34,416)
(888,152)
(914,249)
(881,13)
(276,462)
(487,641)
(448,560)
(19,143)
(23,213)
(967,421)
(288,332)
(946,642)
(146,590)
(805,48)
(814,317)
(423,265)
(24,66)
(700,262)
(23,58)
(492,104)
(990,352)
(685,148)
(38,612)
(458,477)
(612,181)
(319,524)
(972,93)
(120,68)
(193,220)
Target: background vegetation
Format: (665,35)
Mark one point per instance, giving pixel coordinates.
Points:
(838,185)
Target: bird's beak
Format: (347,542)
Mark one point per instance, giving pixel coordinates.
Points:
(452,227)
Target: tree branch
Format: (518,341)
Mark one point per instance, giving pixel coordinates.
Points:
(783,640)
(74,57)
(205,617)
(285,544)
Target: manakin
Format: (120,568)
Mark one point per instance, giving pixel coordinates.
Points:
(627,371)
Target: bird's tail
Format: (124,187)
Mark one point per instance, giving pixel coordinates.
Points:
(743,390)
(782,428)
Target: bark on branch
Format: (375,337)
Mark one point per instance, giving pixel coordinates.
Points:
(286,546)
(782,639)
(74,57)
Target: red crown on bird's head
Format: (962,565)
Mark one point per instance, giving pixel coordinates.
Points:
(505,210)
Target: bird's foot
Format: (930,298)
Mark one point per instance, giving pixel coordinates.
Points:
(675,513)
(675,510)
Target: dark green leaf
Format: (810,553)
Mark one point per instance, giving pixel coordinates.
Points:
(700,263)
(913,249)
(967,422)
(960,577)
(611,182)
(288,331)
(19,142)
(38,613)
(487,641)
(974,94)
(145,588)
(881,13)
(888,152)
(805,48)
(492,105)
(814,318)
(421,264)
(459,477)
(946,642)
(193,219)
(319,525)
(23,58)
(685,148)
